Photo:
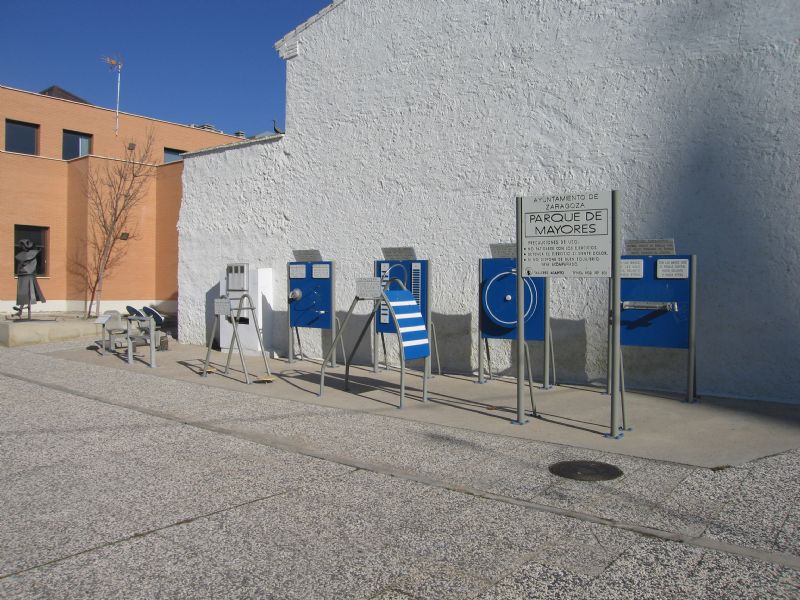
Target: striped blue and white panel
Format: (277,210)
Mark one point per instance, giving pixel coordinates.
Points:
(413,335)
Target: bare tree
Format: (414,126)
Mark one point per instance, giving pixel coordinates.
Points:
(113,191)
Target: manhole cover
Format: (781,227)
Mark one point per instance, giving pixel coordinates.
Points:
(585,470)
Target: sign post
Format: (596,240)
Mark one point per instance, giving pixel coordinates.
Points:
(571,235)
(520,420)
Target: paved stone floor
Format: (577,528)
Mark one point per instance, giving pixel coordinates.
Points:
(118,483)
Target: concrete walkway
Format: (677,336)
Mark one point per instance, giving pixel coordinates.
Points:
(129,482)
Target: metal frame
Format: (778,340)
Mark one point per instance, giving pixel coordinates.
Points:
(335,323)
(428,320)
(549,354)
(151,337)
(614,385)
(349,359)
(235,337)
(691,358)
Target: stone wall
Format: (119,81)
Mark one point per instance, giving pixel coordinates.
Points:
(414,123)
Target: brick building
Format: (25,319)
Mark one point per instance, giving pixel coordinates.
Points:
(49,142)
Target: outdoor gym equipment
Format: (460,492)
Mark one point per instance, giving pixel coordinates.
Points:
(408,321)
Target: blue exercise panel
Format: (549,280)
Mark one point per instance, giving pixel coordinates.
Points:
(498,301)
(314,307)
(413,333)
(655,328)
(414,275)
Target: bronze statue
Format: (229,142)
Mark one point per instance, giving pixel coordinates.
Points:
(28,290)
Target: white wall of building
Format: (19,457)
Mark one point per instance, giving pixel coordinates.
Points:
(415,123)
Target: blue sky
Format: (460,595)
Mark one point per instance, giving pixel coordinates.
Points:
(203,61)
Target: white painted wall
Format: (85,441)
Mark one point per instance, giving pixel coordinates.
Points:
(416,122)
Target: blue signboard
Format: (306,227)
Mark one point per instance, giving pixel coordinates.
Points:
(498,301)
(413,333)
(414,275)
(659,279)
(313,306)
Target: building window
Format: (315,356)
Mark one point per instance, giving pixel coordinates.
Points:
(40,238)
(75,145)
(171,155)
(22,137)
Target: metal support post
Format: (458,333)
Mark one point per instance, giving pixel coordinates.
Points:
(691,383)
(616,306)
(151,324)
(290,360)
(434,344)
(548,341)
(610,345)
(210,342)
(530,379)
(481,379)
(520,319)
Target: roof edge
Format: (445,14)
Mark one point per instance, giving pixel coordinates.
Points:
(13,89)
(240,144)
(289,37)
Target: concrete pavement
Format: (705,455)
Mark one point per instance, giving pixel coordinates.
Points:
(117,482)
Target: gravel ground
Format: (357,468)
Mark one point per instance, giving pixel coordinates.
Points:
(122,484)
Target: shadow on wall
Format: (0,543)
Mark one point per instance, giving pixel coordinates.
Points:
(357,322)
(211,295)
(661,369)
(454,336)
(732,169)
(569,350)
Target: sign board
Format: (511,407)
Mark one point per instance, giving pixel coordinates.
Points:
(567,235)
(314,304)
(368,288)
(403,253)
(650,247)
(672,268)
(236,277)
(321,271)
(503,250)
(632,268)
(656,310)
(498,301)
(297,271)
(222,307)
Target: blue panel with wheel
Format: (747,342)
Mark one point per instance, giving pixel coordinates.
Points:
(498,301)
(414,274)
(310,287)
(657,328)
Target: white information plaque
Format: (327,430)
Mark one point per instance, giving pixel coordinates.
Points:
(672,268)
(650,247)
(297,271)
(321,271)
(567,235)
(368,288)
(222,307)
(632,269)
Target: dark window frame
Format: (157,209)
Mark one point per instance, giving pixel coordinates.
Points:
(42,261)
(34,126)
(77,133)
(177,154)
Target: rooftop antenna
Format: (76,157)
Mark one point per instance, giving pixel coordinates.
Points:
(116,65)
